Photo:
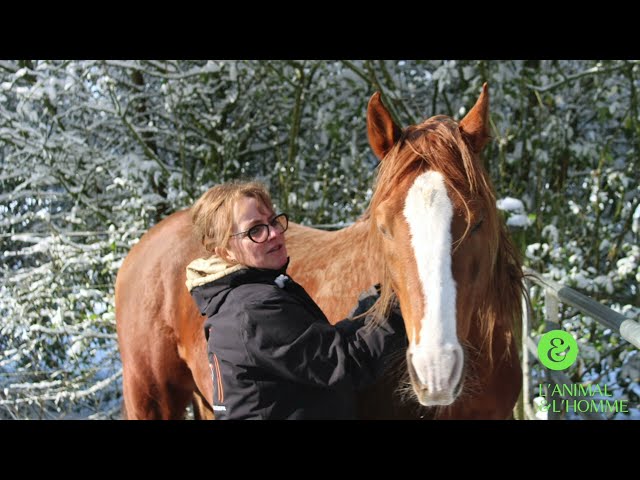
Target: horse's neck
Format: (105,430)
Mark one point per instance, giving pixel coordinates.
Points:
(334,267)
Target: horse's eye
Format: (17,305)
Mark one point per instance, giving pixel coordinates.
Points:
(477,226)
(383,230)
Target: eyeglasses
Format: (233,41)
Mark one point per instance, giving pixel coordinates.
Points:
(260,233)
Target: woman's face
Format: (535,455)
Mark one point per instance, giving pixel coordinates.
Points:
(272,253)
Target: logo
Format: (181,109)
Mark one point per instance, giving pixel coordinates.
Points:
(577,398)
(557,350)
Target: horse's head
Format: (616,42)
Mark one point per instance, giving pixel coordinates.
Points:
(434,214)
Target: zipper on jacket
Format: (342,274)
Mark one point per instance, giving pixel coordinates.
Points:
(216,376)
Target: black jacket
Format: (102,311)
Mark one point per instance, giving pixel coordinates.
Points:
(274,355)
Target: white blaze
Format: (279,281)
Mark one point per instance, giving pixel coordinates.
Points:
(437,357)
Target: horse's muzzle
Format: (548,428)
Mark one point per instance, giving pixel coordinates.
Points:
(436,373)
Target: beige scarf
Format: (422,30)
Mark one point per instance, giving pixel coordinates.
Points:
(206,270)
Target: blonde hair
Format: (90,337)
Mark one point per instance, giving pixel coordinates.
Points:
(212,213)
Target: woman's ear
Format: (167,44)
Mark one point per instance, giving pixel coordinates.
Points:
(226,254)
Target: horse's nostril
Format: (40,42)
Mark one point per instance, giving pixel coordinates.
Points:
(459,371)
(413,375)
(456,371)
(458,388)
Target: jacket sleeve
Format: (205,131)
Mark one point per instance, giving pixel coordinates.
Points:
(280,338)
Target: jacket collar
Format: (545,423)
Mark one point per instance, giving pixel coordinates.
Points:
(207,270)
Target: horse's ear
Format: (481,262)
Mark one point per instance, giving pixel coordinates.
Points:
(475,125)
(383,132)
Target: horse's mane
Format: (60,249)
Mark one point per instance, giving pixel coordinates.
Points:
(438,144)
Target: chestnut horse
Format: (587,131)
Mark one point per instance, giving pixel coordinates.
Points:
(431,235)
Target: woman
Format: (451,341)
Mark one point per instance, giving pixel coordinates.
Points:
(273,353)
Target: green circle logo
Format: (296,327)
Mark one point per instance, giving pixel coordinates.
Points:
(557,350)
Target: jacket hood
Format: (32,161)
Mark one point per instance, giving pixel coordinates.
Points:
(206,270)
(211,279)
